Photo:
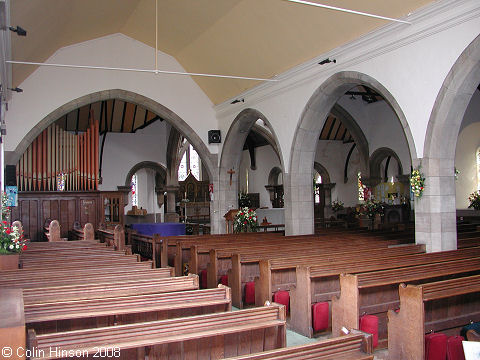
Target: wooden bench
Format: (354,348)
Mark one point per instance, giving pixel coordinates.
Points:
(354,346)
(213,336)
(85,233)
(443,306)
(375,293)
(53,233)
(12,322)
(280,274)
(126,276)
(94,313)
(120,288)
(320,283)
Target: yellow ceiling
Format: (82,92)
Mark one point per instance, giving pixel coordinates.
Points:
(253,38)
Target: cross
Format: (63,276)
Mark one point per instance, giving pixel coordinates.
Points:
(231,172)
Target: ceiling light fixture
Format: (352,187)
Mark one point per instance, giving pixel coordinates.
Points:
(17,89)
(327,61)
(348,11)
(20,31)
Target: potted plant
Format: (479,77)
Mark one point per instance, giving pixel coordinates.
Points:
(474,199)
(245,221)
(337,206)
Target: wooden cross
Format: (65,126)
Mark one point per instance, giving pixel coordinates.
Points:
(231,172)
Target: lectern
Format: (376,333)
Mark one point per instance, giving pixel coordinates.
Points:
(229,218)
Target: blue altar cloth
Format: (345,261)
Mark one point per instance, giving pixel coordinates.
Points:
(164,229)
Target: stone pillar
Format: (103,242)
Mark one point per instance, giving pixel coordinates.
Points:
(435,211)
(170,214)
(298,198)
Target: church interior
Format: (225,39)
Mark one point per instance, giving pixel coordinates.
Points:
(240,179)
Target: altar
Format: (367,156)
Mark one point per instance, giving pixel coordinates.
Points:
(274,216)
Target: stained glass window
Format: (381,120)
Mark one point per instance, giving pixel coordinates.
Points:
(318,180)
(182,169)
(194,163)
(361,187)
(134,187)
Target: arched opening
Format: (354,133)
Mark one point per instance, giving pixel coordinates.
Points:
(449,123)
(249,152)
(321,136)
(120,115)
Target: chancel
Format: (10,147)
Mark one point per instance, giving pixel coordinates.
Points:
(314,166)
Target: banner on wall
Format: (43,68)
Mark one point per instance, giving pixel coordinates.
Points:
(12,199)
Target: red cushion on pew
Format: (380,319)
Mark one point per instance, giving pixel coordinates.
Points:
(435,346)
(455,348)
(203,279)
(224,280)
(282,297)
(320,316)
(369,324)
(250,292)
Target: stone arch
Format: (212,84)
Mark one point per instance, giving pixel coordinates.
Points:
(158,168)
(438,229)
(299,206)
(322,171)
(173,119)
(376,160)
(273,176)
(231,155)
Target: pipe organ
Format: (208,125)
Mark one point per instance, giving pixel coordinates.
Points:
(60,160)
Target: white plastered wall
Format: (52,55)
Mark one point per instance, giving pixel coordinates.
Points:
(266,160)
(49,88)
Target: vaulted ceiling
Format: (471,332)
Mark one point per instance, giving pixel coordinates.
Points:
(254,38)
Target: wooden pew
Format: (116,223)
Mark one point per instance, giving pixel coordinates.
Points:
(354,346)
(443,306)
(119,288)
(54,232)
(375,293)
(114,238)
(213,336)
(280,274)
(320,283)
(149,247)
(94,313)
(12,323)
(127,276)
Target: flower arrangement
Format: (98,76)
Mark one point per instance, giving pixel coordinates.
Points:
(417,182)
(245,220)
(337,205)
(371,208)
(474,199)
(11,239)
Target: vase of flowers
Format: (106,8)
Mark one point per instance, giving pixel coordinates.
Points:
(417,182)
(474,199)
(245,221)
(12,243)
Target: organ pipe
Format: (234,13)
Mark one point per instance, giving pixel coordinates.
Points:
(57,156)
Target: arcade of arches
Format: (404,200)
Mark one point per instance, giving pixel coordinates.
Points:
(319,136)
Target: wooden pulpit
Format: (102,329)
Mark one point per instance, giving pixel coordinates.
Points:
(229,218)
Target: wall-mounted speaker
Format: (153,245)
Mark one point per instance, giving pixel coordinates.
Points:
(10,175)
(214,137)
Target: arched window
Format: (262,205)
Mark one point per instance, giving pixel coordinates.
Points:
(190,164)
(361,187)
(134,187)
(317,180)
(478,169)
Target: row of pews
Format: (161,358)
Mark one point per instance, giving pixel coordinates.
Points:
(85,299)
(356,272)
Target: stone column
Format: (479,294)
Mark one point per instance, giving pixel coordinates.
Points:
(298,196)
(435,211)
(170,214)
